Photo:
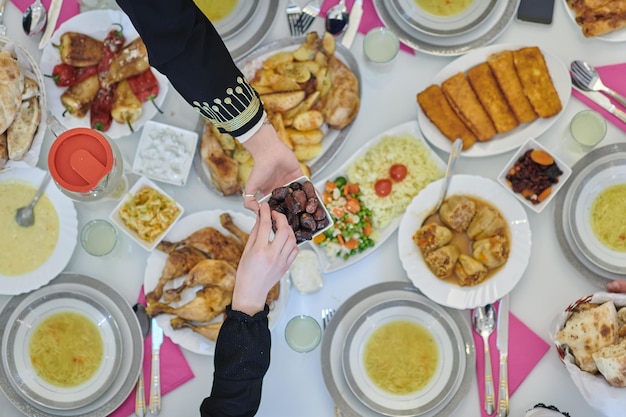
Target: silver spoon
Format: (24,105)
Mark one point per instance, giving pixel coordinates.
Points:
(144,323)
(34,18)
(484,321)
(25,216)
(337,18)
(588,78)
(452,158)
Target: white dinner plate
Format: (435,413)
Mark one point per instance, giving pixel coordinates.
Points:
(333,345)
(333,139)
(449,362)
(95,23)
(476,13)
(502,281)
(617,36)
(121,315)
(31,69)
(599,179)
(506,141)
(19,361)
(480,35)
(187,338)
(68,231)
(254,30)
(237,20)
(332,264)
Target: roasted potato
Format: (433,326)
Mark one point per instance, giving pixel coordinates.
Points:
(306,137)
(278,102)
(309,120)
(307,152)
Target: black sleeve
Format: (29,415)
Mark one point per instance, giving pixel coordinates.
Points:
(184,46)
(242,357)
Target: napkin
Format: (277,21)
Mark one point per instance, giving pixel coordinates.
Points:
(525,351)
(613,77)
(69,8)
(175,371)
(369,20)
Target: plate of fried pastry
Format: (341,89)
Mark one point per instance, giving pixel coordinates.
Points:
(190,276)
(599,19)
(494,98)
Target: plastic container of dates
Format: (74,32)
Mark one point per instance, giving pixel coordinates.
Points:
(301,203)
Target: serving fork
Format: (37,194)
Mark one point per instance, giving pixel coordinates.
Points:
(293,12)
(309,12)
(327,314)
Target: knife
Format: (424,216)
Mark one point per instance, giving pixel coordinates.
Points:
(502,342)
(53,16)
(604,102)
(155,380)
(353,23)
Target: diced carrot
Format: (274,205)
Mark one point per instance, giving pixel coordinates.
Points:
(352,244)
(327,197)
(330,185)
(544,194)
(319,238)
(367,230)
(338,212)
(352,205)
(541,157)
(350,189)
(340,239)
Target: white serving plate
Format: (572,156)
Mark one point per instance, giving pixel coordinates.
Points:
(68,232)
(502,281)
(503,142)
(617,36)
(411,128)
(95,23)
(187,338)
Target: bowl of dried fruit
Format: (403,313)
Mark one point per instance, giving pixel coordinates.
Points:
(534,175)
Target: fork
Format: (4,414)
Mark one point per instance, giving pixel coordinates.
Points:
(309,13)
(588,79)
(293,15)
(327,314)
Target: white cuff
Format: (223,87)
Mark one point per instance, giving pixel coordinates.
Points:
(254,129)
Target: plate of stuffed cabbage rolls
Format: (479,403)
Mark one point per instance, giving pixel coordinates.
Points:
(473,251)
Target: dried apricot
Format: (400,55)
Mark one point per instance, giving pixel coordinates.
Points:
(541,157)
(544,194)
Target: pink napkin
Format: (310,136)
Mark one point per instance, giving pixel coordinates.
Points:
(525,351)
(613,77)
(369,19)
(69,8)
(175,371)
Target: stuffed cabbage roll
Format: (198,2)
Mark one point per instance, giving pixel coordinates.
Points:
(441,261)
(492,251)
(432,236)
(487,222)
(457,212)
(469,271)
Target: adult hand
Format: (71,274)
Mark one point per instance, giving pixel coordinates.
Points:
(274,165)
(263,262)
(616,286)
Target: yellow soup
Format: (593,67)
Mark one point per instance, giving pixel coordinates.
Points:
(216,10)
(445,8)
(608,217)
(401,357)
(24,249)
(66,349)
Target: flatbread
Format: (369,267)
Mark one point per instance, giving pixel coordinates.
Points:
(21,133)
(11,87)
(611,362)
(588,332)
(4,150)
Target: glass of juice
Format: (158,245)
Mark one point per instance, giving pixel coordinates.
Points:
(588,128)
(380,47)
(303,333)
(98,237)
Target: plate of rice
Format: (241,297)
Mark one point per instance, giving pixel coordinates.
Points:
(367,198)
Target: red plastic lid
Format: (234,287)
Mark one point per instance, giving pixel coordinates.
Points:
(79,158)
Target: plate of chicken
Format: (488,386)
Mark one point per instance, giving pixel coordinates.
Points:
(189,278)
(473,251)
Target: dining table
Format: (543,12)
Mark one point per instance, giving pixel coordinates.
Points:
(294,384)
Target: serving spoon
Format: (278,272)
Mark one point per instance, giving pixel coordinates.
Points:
(484,321)
(452,158)
(34,18)
(24,216)
(337,18)
(144,324)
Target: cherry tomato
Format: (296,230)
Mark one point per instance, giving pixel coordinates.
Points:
(398,172)
(383,187)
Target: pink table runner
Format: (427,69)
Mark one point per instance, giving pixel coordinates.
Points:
(175,371)
(525,351)
(613,77)
(68,9)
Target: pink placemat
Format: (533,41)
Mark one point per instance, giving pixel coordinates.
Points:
(175,371)
(369,19)
(525,351)
(68,9)
(613,77)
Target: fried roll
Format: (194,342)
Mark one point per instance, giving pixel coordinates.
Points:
(536,81)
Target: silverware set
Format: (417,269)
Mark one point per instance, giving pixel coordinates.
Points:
(299,18)
(485,321)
